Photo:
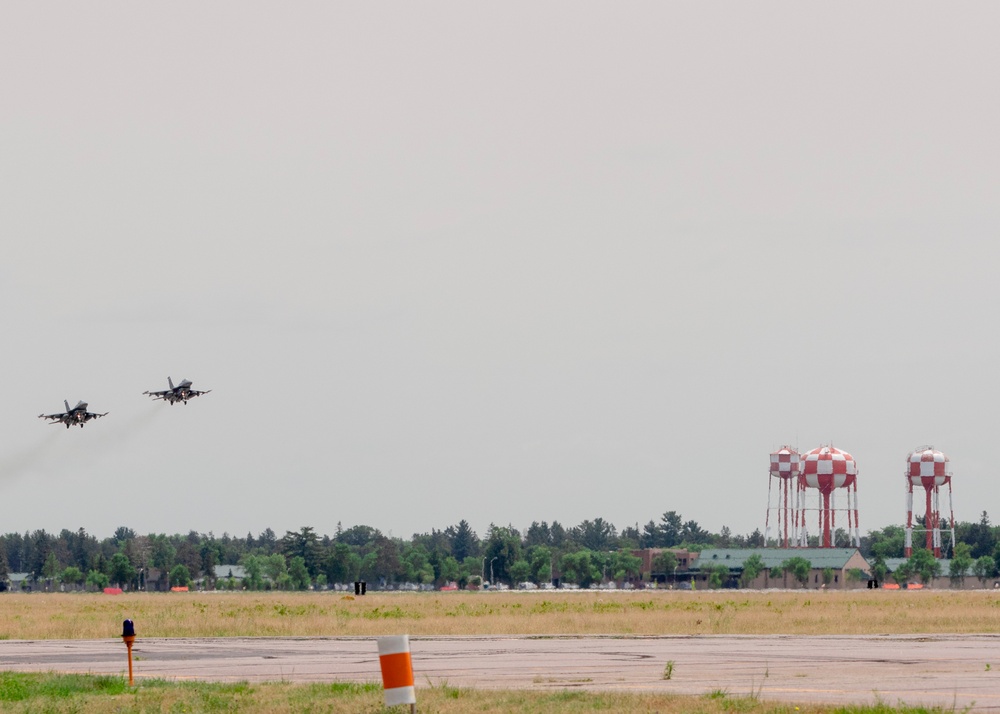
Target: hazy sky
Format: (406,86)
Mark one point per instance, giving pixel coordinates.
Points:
(495,262)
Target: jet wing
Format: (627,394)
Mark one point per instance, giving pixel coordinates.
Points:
(52,416)
(91,415)
(159,395)
(196,393)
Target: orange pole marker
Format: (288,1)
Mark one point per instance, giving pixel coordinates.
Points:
(397,670)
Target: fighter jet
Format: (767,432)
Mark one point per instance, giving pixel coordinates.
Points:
(181,393)
(77,415)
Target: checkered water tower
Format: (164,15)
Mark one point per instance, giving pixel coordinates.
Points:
(826,469)
(785,468)
(928,469)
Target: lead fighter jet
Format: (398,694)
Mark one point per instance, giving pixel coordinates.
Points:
(181,393)
(76,415)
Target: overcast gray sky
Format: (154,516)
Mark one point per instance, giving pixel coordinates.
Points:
(494,262)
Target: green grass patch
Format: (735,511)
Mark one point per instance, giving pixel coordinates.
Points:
(389,613)
(24,693)
(19,686)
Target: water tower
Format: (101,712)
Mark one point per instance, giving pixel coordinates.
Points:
(784,467)
(928,469)
(826,469)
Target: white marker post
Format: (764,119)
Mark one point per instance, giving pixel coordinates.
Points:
(397,671)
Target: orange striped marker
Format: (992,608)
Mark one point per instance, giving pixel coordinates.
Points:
(397,671)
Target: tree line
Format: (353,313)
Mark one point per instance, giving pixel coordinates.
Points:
(591,552)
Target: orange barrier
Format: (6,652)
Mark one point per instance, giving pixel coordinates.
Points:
(397,670)
(914,586)
(891,586)
(179,589)
(112,591)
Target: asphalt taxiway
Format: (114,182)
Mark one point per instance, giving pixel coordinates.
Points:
(960,672)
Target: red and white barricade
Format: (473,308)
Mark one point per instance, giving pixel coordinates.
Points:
(397,670)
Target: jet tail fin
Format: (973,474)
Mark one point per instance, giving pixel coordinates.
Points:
(170,382)
(67,405)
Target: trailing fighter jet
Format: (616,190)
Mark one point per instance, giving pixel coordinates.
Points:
(181,393)
(76,415)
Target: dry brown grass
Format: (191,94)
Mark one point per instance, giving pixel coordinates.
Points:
(85,616)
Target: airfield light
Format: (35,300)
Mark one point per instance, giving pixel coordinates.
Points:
(128,637)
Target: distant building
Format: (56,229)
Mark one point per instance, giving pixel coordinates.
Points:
(19,581)
(842,564)
(224,572)
(648,572)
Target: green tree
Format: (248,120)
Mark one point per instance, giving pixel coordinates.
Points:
(718,575)
(386,563)
(209,552)
(304,544)
(886,543)
(416,565)
(624,566)
(180,577)
(537,534)
(358,536)
(470,572)
(72,575)
(856,575)
(903,573)
(879,569)
(502,550)
(984,568)
(580,568)
(51,568)
(162,553)
(342,564)
(298,574)
(122,535)
(451,570)
(961,563)
(664,563)
(541,559)
(520,571)
(694,534)
(97,580)
(4,569)
(981,536)
(752,567)
(596,535)
(924,564)
(276,569)
(267,541)
(650,536)
(254,569)
(799,568)
(187,553)
(464,543)
(366,570)
(121,572)
(669,531)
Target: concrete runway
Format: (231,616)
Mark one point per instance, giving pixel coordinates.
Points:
(952,671)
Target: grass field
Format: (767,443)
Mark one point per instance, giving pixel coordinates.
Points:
(89,616)
(92,616)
